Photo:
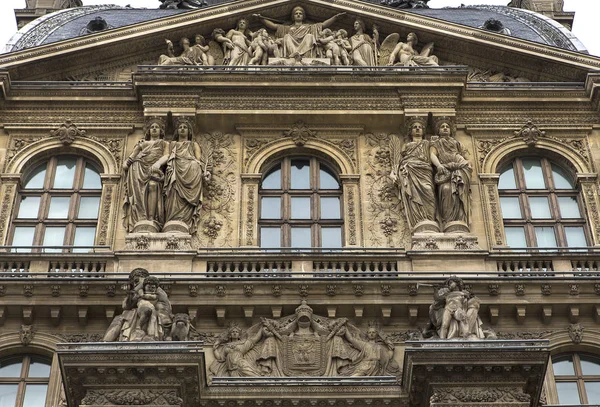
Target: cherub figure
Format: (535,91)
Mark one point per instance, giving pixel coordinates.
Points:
(332,49)
(226,44)
(201,51)
(341,39)
(262,47)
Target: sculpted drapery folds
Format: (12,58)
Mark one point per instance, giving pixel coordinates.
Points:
(412,171)
(144,179)
(299,38)
(455,313)
(146,312)
(238,37)
(453,179)
(303,345)
(405,54)
(364,48)
(184,177)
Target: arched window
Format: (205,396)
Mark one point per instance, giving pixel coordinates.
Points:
(24,381)
(577,378)
(300,205)
(58,205)
(540,205)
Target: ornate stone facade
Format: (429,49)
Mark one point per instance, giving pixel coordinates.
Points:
(408,146)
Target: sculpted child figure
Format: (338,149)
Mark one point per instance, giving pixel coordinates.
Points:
(262,46)
(332,49)
(341,39)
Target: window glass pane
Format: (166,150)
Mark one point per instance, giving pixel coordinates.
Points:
(11,367)
(273,179)
(540,209)
(91,178)
(23,236)
(65,172)
(39,367)
(545,236)
(270,237)
(54,236)
(510,207)
(301,237)
(8,395)
(568,207)
(300,207)
(331,237)
(593,392)
(35,395)
(590,366)
(330,208)
(561,179)
(575,236)
(563,366)
(270,208)
(300,174)
(84,236)
(59,207)
(327,180)
(88,207)
(29,207)
(507,179)
(515,237)
(534,178)
(567,393)
(36,179)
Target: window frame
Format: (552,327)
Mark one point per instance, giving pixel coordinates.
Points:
(41,222)
(23,379)
(556,220)
(579,378)
(314,193)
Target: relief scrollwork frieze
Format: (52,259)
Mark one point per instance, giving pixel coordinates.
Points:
(589,191)
(492,202)
(458,395)
(219,194)
(384,208)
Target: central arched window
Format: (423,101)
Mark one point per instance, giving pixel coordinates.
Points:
(540,205)
(24,381)
(577,378)
(300,205)
(58,205)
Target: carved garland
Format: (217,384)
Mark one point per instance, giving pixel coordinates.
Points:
(351,217)
(495,212)
(104,218)
(250,217)
(6,203)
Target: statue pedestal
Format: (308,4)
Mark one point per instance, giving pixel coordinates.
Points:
(146,226)
(160,374)
(175,241)
(474,373)
(444,242)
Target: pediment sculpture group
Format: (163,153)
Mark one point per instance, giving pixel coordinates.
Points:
(433,177)
(302,344)
(164,179)
(299,43)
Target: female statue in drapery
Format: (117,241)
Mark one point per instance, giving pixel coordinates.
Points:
(375,356)
(364,48)
(144,180)
(299,38)
(413,173)
(183,178)
(234,356)
(239,55)
(453,179)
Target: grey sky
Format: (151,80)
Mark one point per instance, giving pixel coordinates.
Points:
(584,28)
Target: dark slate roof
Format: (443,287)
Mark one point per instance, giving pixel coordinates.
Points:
(71,23)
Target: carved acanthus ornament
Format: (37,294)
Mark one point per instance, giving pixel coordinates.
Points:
(300,133)
(67,132)
(530,134)
(478,395)
(147,397)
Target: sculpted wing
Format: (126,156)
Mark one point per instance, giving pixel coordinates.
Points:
(387,47)
(216,52)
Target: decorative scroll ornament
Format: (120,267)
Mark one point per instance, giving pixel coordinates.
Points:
(300,133)
(530,134)
(67,132)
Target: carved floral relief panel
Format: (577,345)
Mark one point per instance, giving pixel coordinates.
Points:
(381,206)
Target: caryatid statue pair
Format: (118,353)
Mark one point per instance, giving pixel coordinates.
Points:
(433,178)
(164,179)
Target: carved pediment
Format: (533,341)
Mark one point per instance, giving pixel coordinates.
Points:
(113,54)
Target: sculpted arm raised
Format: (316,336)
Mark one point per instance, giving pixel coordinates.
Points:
(330,21)
(268,23)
